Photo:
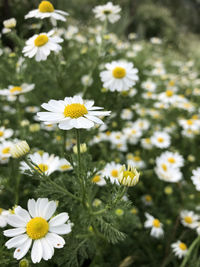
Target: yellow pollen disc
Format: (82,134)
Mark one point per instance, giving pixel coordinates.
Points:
(156,223)
(41,40)
(149,93)
(96,179)
(42,167)
(6,150)
(119,72)
(164,166)
(189,122)
(148,140)
(188,219)
(195,117)
(75,111)
(182,246)
(171,83)
(108,133)
(137,158)
(15,89)
(127,174)
(114,173)
(133,131)
(1,133)
(160,139)
(1,210)
(171,160)
(148,198)
(37,228)
(65,167)
(169,93)
(46,6)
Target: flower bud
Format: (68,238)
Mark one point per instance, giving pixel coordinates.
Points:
(83,148)
(24,263)
(20,149)
(10,23)
(129,176)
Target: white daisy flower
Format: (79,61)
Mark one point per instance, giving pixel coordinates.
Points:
(135,161)
(155,225)
(98,179)
(108,11)
(17,90)
(64,165)
(32,109)
(196,178)
(149,86)
(161,139)
(111,170)
(5,133)
(72,112)
(147,200)
(146,143)
(5,149)
(3,217)
(174,160)
(119,76)
(44,162)
(189,219)
(126,114)
(167,173)
(35,226)
(46,10)
(179,248)
(40,45)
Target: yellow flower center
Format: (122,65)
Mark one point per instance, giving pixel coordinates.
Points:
(96,179)
(37,228)
(75,111)
(6,150)
(127,174)
(171,83)
(119,72)
(156,223)
(114,173)
(148,140)
(189,122)
(65,167)
(149,93)
(182,246)
(108,133)
(41,40)
(164,166)
(42,167)
(46,6)
(1,133)
(15,89)
(148,198)
(188,219)
(171,160)
(1,210)
(137,158)
(169,93)
(160,139)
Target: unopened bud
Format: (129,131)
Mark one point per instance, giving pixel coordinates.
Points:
(20,149)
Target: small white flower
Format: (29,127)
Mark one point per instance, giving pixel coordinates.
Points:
(160,139)
(119,76)
(155,225)
(46,10)
(3,217)
(108,11)
(44,162)
(189,219)
(38,227)
(72,112)
(196,178)
(179,248)
(17,90)
(128,176)
(64,165)
(10,23)
(111,170)
(19,149)
(41,45)
(5,133)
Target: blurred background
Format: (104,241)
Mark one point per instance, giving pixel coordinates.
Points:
(148,18)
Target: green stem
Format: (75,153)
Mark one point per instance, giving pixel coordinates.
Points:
(120,195)
(17,188)
(194,243)
(80,177)
(64,142)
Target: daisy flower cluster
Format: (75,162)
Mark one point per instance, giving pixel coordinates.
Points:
(105,130)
